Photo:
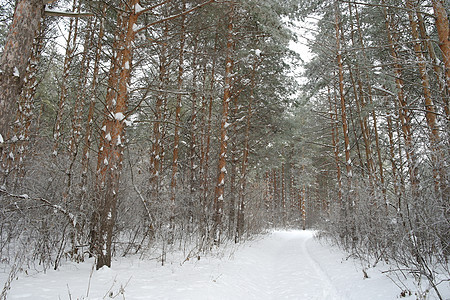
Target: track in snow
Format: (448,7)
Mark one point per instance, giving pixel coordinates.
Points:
(294,273)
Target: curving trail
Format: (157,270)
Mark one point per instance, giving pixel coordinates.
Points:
(294,273)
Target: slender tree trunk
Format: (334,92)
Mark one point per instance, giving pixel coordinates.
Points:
(193,162)
(429,105)
(233,173)
(207,204)
(404,113)
(363,125)
(335,141)
(70,48)
(245,154)
(267,192)
(80,100)
(176,137)
(439,72)
(442,26)
(348,162)
(275,199)
(392,154)
(93,95)
(156,154)
(283,194)
(302,205)
(373,112)
(220,187)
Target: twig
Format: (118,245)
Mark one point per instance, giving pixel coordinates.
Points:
(89,282)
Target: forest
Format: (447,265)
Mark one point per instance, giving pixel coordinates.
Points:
(130,126)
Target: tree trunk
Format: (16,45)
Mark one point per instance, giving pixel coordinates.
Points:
(14,158)
(335,141)
(442,26)
(246,151)
(220,187)
(348,162)
(176,138)
(92,101)
(373,112)
(430,114)
(16,54)
(110,168)
(404,113)
(68,57)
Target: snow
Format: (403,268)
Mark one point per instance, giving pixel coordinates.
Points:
(138,8)
(1,139)
(127,65)
(280,265)
(119,116)
(136,27)
(258,52)
(16,72)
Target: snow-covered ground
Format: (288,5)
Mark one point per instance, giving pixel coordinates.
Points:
(280,265)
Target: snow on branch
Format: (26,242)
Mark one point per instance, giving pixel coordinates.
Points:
(58,208)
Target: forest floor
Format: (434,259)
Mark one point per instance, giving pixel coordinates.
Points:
(279,265)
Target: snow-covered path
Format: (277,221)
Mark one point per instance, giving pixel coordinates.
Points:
(281,265)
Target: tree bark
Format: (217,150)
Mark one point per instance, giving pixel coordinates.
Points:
(430,113)
(16,54)
(68,57)
(176,138)
(335,141)
(442,26)
(348,163)
(245,154)
(90,118)
(404,113)
(220,187)
(113,135)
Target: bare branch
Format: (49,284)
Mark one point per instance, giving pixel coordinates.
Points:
(175,16)
(56,13)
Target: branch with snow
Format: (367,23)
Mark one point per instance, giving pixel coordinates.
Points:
(46,202)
